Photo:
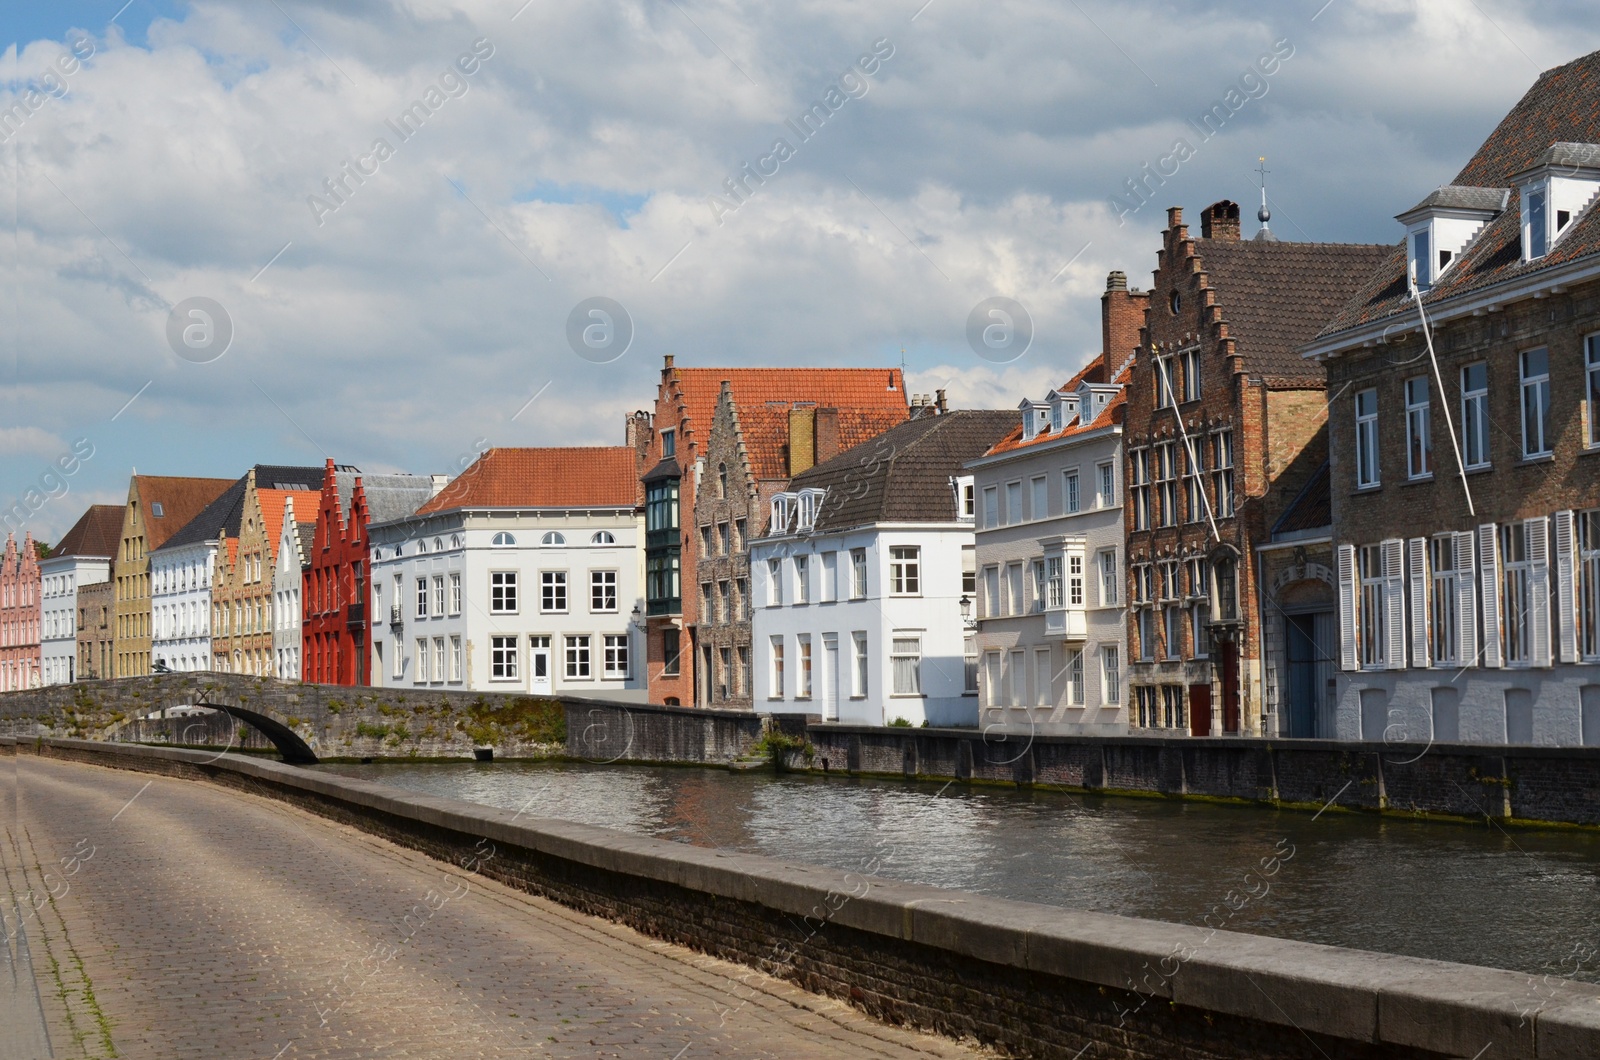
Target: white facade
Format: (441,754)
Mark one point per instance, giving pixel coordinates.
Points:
(287,576)
(544,601)
(61,577)
(1052,633)
(180,605)
(863,626)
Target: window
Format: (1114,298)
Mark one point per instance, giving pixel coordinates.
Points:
(455,592)
(1171,635)
(705,540)
(1013,503)
(437,672)
(1139,462)
(503,592)
(1194,488)
(802,648)
(1038,567)
(802,579)
(552,591)
(1199,629)
(1144,620)
(1227,576)
(738,535)
(616,657)
(1041,499)
(725,600)
(1075,580)
(858,676)
(603,537)
(1420,260)
(1419,429)
(1591,400)
(775,667)
(706,613)
(1197,577)
(1538,223)
(1589,585)
(1167,483)
(552,538)
(1475,414)
(1074,678)
(1014,602)
(577,656)
(991,593)
(421,610)
(741,675)
(422,661)
(669,443)
(1043,678)
(1169,580)
(1051,594)
(1366,438)
(967,507)
(724,539)
(969,660)
(991,507)
(741,588)
(503,658)
(1069,491)
(829,589)
(438,594)
(1191,374)
(1108,578)
(1111,675)
(1222,473)
(1535,366)
(455,659)
(775,582)
(858,574)
(1163,381)
(778,521)
(904,570)
(1374,639)
(1444,642)
(1172,706)
(501,540)
(602,591)
(671,655)
(1516,577)
(807,518)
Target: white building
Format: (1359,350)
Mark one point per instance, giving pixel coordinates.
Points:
(524,574)
(860,580)
(1051,635)
(294,546)
(82,557)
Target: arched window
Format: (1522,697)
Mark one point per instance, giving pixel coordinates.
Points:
(422,548)
(603,537)
(553,538)
(503,540)
(438,544)
(455,540)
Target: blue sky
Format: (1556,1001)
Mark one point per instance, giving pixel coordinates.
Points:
(582,151)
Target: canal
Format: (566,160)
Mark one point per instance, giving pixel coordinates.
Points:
(1522,899)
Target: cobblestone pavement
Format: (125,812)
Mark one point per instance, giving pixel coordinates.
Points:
(197,921)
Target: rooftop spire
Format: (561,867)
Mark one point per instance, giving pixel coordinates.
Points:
(1264,215)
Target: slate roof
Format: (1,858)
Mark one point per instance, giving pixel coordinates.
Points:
(181,499)
(96,534)
(903,475)
(576,477)
(1557,119)
(1275,295)
(697,391)
(390,497)
(222,516)
(1312,507)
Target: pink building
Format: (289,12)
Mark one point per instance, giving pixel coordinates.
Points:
(19,615)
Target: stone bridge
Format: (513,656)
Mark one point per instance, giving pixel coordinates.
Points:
(306,722)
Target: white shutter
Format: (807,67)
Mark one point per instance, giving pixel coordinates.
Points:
(1566,588)
(1489,564)
(1466,600)
(1538,531)
(1418,575)
(1347,607)
(1394,603)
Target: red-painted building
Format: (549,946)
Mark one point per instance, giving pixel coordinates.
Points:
(20,611)
(335,646)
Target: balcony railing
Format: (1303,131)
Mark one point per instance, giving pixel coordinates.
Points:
(395,617)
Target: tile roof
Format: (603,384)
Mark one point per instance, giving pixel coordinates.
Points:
(272,503)
(697,390)
(1559,110)
(96,533)
(903,475)
(765,431)
(181,499)
(1093,372)
(1312,507)
(577,477)
(1275,295)
(221,517)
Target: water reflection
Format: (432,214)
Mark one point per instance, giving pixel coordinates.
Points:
(1477,894)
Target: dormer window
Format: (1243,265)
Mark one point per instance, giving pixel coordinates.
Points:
(783,505)
(1439,227)
(1035,418)
(966,497)
(810,501)
(1558,187)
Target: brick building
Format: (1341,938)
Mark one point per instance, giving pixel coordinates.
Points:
(81,557)
(1466,483)
(1225,426)
(242,583)
(770,430)
(335,625)
(20,615)
(97,640)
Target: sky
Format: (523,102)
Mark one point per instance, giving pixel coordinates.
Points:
(401,307)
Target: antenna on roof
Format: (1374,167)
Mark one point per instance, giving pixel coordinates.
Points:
(1263,215)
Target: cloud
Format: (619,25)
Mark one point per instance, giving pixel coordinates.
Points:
(15,441)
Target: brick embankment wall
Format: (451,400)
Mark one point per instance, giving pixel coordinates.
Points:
(1030,980)
(1534,784)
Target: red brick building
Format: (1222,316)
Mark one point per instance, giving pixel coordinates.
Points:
(674,456)
(1226,425)
(20,611)
(335,623)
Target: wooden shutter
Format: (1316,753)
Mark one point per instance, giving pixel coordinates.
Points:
(1466,600)
(1394,603)
(1348,654)
(1538,531)
(1566,602)
(1418,582)
(1489,564)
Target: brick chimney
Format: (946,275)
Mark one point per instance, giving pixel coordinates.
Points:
(1121,317)
(802,439)
(827,434)
(1220,221)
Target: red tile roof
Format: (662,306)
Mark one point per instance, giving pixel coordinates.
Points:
(765,430)
(697,389)
(181,499)
(272,504)
(1109,415)
(96,533)
(577,477)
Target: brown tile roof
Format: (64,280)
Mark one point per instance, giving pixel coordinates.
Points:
(1275,295)
(577,477)
(1312,507)
(272,505)
(765,430)
(96,533)
(181,499)
(903,475)
(697,389)
(1559,108)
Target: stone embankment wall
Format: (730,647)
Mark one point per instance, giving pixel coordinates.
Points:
(1029,980)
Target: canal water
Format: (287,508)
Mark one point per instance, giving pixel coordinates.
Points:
(1522,899)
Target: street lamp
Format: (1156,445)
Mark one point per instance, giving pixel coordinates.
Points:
(966,608)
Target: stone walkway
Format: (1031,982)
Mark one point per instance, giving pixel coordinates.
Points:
(192,921)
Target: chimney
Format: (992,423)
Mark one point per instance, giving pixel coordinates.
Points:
(1220,221)
(802,435)
(939,402)
(827,434)
(438,483)
(1121,317)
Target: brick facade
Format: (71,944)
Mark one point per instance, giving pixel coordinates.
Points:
(20,615)
(242,582)
(97,616)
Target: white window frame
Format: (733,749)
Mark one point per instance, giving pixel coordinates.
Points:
(1367,463)
(577,653)
(861,668)
(1587,595)
(1110,675)
(905,662)
(1419,428)
(553,587)
(603,588)
(1191,374)
(802,676)
(1106,484)
(828,590)
(1373,614)
(1075,683)
(1070,497)
(1535,388)
(455,592)
(1475,418)
(905,570)
(455,659)
(775,666)
(504,653)
(1444,640)
(775,582)
(504,590)
(858,574)
(1591,399)
(1109,577)
(802,579)
(1039,498)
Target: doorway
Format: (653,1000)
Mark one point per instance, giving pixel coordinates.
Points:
(1226,653)
(539,664)
(1308,651)
(1199,710)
